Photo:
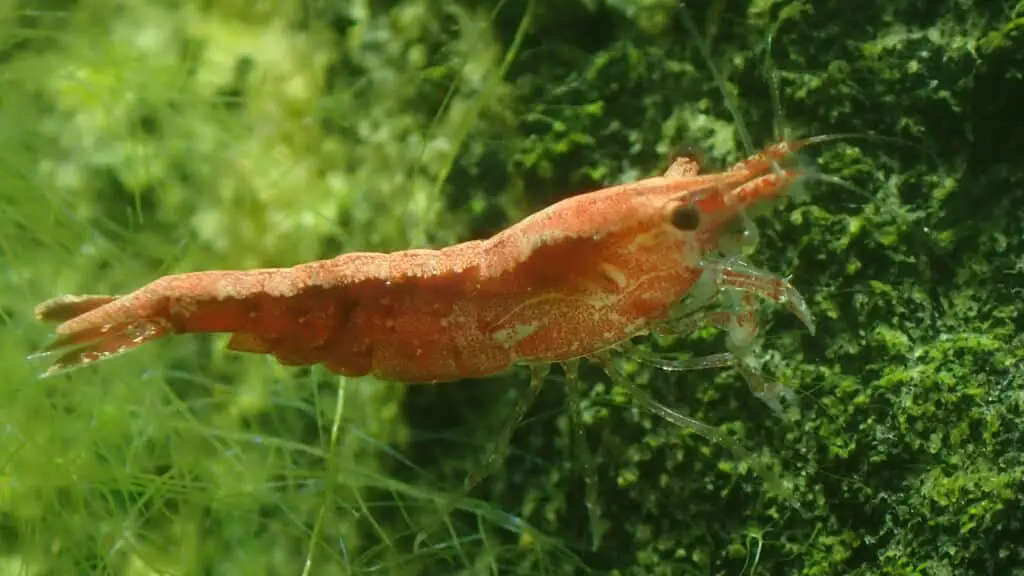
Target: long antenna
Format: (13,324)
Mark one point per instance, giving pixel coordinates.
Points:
(730,103)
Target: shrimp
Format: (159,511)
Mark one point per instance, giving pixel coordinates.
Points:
(584,275)
(576,280)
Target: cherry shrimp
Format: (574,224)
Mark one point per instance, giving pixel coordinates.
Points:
(577,280)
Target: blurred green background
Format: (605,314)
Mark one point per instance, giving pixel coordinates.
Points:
(146,138)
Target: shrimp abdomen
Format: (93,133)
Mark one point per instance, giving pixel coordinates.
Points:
(289,313)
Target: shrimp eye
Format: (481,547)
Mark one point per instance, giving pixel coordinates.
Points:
(686,218)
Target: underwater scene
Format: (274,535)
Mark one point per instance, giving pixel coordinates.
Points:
(511,287)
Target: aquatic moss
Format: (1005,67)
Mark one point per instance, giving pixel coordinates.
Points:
(904,458)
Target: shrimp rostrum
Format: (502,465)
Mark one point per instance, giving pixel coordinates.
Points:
(576,280)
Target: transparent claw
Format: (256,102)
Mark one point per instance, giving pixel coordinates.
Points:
(772,393)
(798,306)
(739,275)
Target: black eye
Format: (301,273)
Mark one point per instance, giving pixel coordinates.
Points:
(685,218)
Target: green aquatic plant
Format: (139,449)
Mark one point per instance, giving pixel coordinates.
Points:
(147,140)
(151,139)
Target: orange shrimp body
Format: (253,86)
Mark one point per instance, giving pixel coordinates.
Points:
(577,278)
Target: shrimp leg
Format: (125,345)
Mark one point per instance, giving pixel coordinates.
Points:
(768,391)
(741,328)
(538,373)
(742,283)
(642,398)
(572,377)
